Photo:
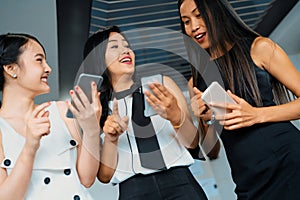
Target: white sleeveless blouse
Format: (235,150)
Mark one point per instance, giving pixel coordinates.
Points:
(129,164)
(54,173)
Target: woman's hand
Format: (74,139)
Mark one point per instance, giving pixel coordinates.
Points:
(114,125)
(199,108)
(87,114)
(239,115)
(164,103)
(37,126)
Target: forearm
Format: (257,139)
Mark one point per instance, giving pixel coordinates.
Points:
(187,132)
(209,139)
(16,184)
(109,160)
(89,157)
(284,112)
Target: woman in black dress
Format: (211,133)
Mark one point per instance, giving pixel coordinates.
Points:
(262,146)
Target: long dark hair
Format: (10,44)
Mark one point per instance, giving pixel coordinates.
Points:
(11,47)
(94,63)
(224,27)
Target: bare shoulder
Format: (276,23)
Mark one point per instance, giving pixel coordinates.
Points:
(62,106)
(261,43)
(62,109)
(169,82)
(3,173)
(70,122)
(167,79)
(1,148)
(262,50)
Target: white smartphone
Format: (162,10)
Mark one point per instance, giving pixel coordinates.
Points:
(84,82)
(149,111)
(216,94)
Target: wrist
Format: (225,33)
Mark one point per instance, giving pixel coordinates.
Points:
(261,115)
(212,119)
(179,122)
(111,141)
(91,132)
(30,148)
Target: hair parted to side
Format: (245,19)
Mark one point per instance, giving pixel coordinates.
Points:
(11,47)
(225,28)
(94,63)
(223,24)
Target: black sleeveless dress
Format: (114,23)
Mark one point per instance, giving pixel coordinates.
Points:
(264,158)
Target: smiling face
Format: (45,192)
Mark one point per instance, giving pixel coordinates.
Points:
(33,70)
(120,59)
(193,23)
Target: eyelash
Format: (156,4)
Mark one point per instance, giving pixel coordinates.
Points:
(199,16)
(186,22)
(116,46)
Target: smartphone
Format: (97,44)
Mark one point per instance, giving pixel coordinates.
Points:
(216,94)
(84,82)
(149,111)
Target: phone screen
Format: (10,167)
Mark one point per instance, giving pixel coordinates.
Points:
(149,111)
(216,94)
(84,82)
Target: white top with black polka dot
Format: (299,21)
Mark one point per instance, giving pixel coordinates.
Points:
(54,173)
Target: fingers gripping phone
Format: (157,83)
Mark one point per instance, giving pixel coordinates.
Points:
(216,94)
(149,111)
(84,82)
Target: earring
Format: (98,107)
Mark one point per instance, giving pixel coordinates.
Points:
(14,75)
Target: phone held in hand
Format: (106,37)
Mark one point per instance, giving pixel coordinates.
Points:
(217,95)
(149,111)
(84,82)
